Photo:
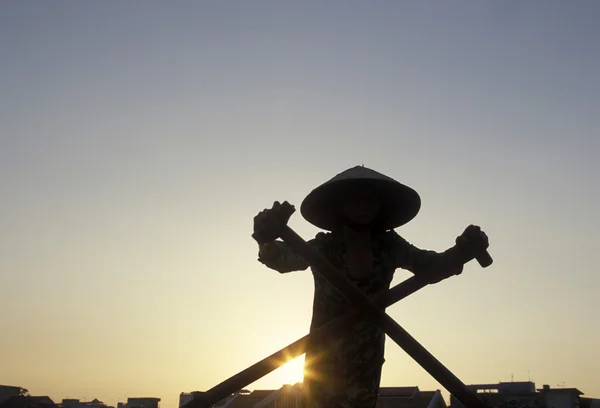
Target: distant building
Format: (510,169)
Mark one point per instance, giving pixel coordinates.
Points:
(409,397)
(288,396)
(145,402)
(512,394)
(75,403)
(525,395)
(7,391)
(241,398)
(186,397)
(245,399)
(22,401)
(292,396)
(589,402)
(561,397)
(18,397)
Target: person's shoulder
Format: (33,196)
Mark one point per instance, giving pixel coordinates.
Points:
(392,237)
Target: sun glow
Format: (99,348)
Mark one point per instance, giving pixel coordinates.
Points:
(290,373)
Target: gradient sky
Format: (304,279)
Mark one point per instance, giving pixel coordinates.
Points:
(139,139)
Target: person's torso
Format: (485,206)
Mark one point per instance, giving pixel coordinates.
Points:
(328,301)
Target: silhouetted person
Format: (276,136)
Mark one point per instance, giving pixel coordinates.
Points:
(360,208)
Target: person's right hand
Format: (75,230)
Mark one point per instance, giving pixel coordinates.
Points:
(268,223)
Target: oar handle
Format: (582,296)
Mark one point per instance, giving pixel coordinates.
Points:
(484,259)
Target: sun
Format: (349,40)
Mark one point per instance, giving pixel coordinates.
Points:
(289,373)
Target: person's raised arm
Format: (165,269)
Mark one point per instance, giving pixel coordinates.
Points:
(436,266)
(273,253)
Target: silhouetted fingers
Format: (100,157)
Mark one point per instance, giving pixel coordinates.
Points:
(473,229)
(287,207)
(262,220)
(485,239)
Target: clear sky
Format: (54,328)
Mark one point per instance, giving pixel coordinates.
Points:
(139,139)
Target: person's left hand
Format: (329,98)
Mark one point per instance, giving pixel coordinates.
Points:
(269,222)
(472,242)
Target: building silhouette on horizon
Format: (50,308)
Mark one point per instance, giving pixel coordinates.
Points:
(523,394)
(292,396)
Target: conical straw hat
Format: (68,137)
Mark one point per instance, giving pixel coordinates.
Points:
(399,203)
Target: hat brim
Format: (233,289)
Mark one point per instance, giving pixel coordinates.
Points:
(399,203)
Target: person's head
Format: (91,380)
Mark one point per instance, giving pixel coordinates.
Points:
(359,206)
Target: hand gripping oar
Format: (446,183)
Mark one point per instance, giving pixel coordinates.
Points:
(297,348)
